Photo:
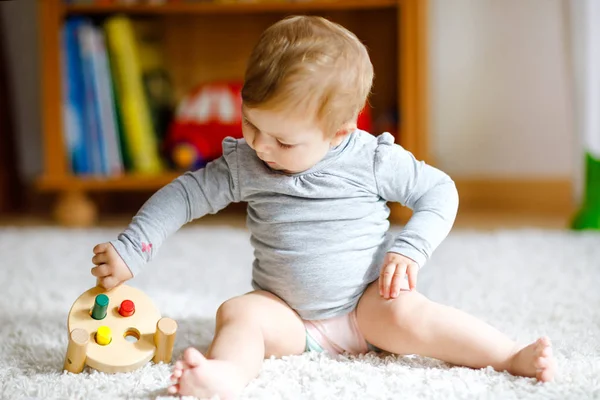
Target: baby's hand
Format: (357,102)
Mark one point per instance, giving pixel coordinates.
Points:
(391,280)
(110,268)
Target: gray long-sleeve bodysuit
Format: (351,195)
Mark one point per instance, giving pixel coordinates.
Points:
(319,236)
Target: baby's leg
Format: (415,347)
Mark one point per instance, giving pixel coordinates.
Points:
(249,328)
(412,324)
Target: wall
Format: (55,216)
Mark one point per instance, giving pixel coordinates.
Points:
(500,90)
(19,22)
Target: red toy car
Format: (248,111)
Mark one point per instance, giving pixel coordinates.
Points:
(203,119)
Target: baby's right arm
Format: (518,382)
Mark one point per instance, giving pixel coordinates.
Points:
(189,197)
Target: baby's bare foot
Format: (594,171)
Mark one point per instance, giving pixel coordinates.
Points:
(202,378)
(535,360)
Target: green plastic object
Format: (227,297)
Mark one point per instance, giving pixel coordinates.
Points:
(588,216)
(100,307)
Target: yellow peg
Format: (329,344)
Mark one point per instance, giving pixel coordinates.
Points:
(103,336)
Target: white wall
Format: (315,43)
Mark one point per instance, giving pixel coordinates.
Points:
(500,89)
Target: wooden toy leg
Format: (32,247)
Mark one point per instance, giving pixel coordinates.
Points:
(164,338)
(76,350)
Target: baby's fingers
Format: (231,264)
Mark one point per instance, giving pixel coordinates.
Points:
(101,271)
(412,272)
(100,258)
(385,280)
(101,248)
(398,280)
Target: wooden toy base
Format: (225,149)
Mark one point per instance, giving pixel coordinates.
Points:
(136,339)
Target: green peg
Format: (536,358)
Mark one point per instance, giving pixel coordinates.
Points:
(100,307)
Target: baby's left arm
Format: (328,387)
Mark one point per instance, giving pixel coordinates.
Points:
(429,192)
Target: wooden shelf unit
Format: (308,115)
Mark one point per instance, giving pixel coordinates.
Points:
(230,8)
(212,41)
(127,182)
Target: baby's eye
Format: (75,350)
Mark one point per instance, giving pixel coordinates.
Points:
(248,124)
(285,146)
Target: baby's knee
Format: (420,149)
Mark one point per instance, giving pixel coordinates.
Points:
(245,307)
(231,309)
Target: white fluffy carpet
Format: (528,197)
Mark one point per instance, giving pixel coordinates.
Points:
(527,283)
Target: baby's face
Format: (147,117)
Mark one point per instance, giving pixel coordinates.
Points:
(285,143)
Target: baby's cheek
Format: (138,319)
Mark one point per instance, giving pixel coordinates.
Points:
(299,163)
(287,159)
(248,137)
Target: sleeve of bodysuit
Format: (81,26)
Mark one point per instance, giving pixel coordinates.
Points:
(189,197)
(429,192)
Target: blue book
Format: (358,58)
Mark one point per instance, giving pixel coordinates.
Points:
(74,125)
(95,143)
(105,107)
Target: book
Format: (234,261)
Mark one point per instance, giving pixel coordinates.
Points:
(137,128)
(109,130)
(73,95)
(94,141)
(158,87)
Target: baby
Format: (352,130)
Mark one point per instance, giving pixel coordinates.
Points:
(327,274)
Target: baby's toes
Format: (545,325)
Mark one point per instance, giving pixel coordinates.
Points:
(545,375)
(177,371)
(546,352)
(176,375)
(173,389)
(179,364)
(541,363)
(544,342)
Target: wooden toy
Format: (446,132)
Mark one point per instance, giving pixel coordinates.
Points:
(117,331)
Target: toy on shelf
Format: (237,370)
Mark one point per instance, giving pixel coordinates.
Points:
(209,114)
(118,330)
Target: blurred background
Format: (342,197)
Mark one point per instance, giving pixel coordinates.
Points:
(105,101)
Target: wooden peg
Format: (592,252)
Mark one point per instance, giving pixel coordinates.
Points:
(76,350)
(164,338)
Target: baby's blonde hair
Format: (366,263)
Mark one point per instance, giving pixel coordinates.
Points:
(309,65)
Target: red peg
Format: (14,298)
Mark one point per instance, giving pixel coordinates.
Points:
(127,308)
